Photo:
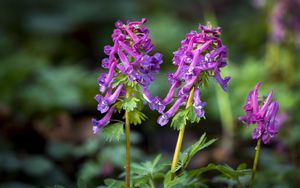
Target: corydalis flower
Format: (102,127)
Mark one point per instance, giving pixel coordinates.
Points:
(201,53)
(129,57)
(264,115)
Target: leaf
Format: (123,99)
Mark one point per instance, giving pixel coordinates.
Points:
(204,79)
(119,106)
(179,120)
(119,80)
(112,183)
(36,166)
(146,171)
(224,169)
(242,166)
(130,103)
(190,152)
(136,117)
(191,115)
(113,132)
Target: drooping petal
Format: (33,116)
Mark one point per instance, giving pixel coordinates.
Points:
(97,124)
(223,82)
(198,104)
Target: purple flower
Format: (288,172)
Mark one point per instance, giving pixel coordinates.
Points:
(128,56)
(285,19)
(200,53)
(164,118)
(198,104)
(97,124)
(265,116)
(105,102)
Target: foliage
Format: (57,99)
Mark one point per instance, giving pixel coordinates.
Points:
(181,118)
(190,152)
(113,132)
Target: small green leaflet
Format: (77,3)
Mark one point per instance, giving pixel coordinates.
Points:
(113,132)
(119,80)
(191,115)
(190,152)
(179,120)
(136,117)
(130,103)
(145,172)
(112,183)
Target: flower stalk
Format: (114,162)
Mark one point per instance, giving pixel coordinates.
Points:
(127,140)
(180,137)
(257,150)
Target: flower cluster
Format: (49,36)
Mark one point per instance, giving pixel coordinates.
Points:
(201,54)
(265,115)
(129,57)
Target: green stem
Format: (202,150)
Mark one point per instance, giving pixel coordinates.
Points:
(127,135)
(180,137)
(257,150)
(152,185)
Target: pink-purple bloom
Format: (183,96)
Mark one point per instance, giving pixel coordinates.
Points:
(128,56)
(264,115)
(200,53)
(284,19)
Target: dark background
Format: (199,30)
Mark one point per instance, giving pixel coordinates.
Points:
(50,54)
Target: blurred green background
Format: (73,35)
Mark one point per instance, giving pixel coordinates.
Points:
(50,60)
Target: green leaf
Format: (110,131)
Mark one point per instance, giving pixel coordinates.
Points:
(119,80)
(242,166)
(36,166)
(112,183)
(146,171)
(119,106)
(191,115)
(224,169)
(179,120)
(130,103)
(136,117)
(204,79)
(113,132)
(190,152)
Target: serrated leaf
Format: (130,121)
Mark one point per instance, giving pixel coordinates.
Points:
(113,132)
(118,105)
(191,115)
(204,79)
(144,172)
(136,117)
(130,103)
(179,120)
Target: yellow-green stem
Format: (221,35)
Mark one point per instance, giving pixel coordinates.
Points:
(180,137)
(127,135)
(257,150)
